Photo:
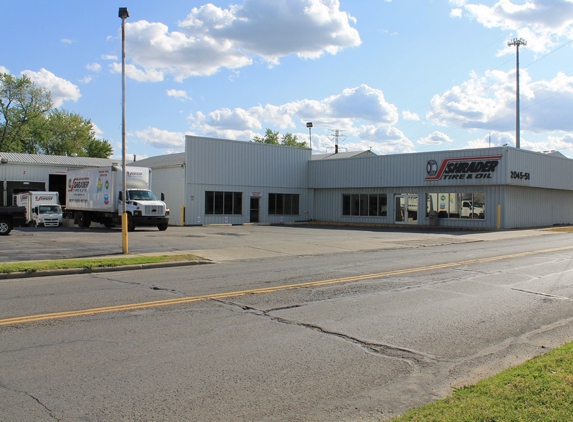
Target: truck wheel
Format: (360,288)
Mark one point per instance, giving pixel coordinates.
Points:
(130,223)
(163,227)
(83,219)
(5,227)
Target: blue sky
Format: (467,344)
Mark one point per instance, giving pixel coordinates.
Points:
(392,76)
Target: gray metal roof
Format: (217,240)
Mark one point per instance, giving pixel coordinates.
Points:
(54,160)
(170,160)
(350,154)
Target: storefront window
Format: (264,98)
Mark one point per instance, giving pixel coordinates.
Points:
(223,202)
(456,205)
(371,205)
(284,203)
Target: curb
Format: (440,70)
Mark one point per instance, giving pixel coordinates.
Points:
(71,271)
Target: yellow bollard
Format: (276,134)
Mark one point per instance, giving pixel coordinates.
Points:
(124,232)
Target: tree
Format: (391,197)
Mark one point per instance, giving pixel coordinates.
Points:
(271,137)
(291,140)
(29,124)
(21,104)
(66,133)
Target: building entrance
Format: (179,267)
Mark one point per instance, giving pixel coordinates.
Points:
(255,210)
(406,208)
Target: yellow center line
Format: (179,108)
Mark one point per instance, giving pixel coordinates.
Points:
(226,295)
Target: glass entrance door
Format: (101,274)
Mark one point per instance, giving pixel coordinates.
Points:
(255,210)
(406,208)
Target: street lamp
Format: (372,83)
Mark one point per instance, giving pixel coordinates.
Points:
(517,42)
(309,126)
(123,14)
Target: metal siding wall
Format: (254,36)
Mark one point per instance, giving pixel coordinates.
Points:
(395,170)
(218,161)
(170,182)
(31,173)
(545,171)
(528,207)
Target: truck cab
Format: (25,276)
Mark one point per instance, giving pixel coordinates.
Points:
(47,215)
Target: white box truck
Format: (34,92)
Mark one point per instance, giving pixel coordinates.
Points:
(42,208)
(95,195)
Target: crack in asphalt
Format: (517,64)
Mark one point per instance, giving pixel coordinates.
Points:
(386,350)
(134,283)
(547,295)
(36,399)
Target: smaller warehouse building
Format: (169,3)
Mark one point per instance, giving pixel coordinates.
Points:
(233,182)
(34,172)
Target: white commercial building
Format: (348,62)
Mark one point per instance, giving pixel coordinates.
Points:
(220,181)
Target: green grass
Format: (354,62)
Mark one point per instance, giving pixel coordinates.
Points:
(90,263)
(539,390)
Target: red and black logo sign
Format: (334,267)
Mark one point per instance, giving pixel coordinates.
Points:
(463,168)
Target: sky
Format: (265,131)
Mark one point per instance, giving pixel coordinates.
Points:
(392,76)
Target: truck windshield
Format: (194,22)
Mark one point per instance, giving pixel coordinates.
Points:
(142,195)
(50,209)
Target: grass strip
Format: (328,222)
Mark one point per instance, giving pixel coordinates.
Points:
(539,390)
(90,263)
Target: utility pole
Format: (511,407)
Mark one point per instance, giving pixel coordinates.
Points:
(337,134)
(123,14)
(517,42)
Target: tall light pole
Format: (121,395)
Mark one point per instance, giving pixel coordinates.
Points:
(123,14)
(309,126)
(517,42)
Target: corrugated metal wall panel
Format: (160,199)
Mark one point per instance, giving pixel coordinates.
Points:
(170,182)
(395,170)
(219,161)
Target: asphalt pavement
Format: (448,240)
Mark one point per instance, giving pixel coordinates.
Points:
(226,243)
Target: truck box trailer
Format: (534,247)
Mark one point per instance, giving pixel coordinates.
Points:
(42,208)
(95,195)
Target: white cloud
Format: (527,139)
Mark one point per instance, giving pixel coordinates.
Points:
(456,13)
(361,113)
(158,138)
(131,71)
(488,102)
(541,22)
(108,57)
(435,138)
(178,93)
(211,38)
(66,41)
(61,89)
(4,70)
(409,115)
(94,67)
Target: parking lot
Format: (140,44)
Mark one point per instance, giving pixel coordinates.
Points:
(225,242)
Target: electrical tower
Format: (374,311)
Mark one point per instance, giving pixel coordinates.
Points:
(336,138)
(517,42)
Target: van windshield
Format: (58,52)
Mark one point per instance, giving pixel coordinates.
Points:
(142,195)
(50,209)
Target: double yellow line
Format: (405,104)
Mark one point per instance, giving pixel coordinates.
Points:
(226,295)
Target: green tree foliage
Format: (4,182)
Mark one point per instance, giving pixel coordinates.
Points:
(29,124)
(273,138)
(22,104)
